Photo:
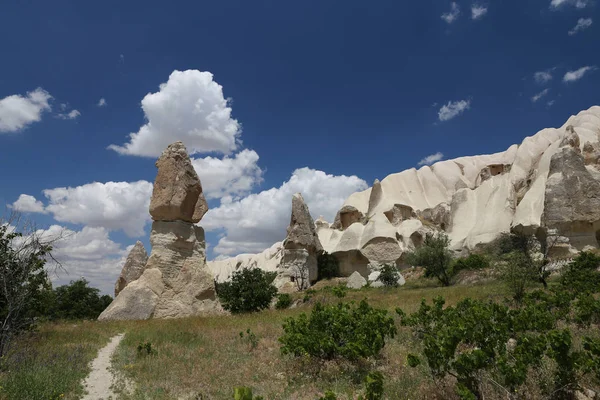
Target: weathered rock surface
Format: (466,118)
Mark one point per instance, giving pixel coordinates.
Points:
(356,281)
(176,281)
(550,181)
(176,187)
(133,268)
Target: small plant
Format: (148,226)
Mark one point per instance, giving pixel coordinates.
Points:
(473,262)
(389,275)
(245,393)
(329,395)
(328,265)
(145,349)
(343,330)
(339,291)
(374,386)
(435,257)
(284,300)
(250,338)
(249,290)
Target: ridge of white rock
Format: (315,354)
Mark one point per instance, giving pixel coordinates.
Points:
(473,199)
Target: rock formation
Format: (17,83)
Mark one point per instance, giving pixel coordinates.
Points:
(548,183)
(176,281)
(301,246)
(133,267)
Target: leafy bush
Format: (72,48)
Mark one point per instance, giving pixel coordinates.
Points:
(473,262)
(342,330)
(145,349)
(435,256)
(249,290)
(339,291)
(374,386)
(581,274)
(389,275)
(250,338)
(78,301)
(328,265)
(284,300)
(245,393)
(518,273)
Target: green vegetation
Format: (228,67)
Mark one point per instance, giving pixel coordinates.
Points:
(435,257)
(77,301)
(341,330)
(329,266)
(472,262)
(284,300)
(249,290)
(389,275)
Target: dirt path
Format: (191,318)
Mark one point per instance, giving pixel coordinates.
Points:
(99,381)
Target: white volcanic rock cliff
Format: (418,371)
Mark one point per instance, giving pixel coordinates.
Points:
(548,182)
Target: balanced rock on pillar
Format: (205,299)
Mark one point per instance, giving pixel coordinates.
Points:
(176,281)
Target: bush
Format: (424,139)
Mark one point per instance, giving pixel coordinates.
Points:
(249,290)
(435,257)
(78,301)
(328,265)
(343,330)
(284,300)
(518,273)
(389,275)
(473,262)
(245,393)
(339,291)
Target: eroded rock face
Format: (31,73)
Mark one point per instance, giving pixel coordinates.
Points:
(356,281)
(572,198)
(346,216)
(133,268)
(176,187)
(301,246)
(176,281)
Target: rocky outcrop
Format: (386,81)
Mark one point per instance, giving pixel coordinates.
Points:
(301,247)
(176,281)
(356,281)
(133,268)
(549,182)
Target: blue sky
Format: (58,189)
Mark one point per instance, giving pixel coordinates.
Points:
(276,97)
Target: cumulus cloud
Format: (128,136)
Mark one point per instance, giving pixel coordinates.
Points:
(255,222)
(112,205)
(17,112)
(229,176)
(582,24)
(73,114)
(102,102)
(478,11)
(189,107)
(430,159)
(542,77)
(453,109)
(540,95)
(555,4)
(453,14)
(576,75)
(28,203)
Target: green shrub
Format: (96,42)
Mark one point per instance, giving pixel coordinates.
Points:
(581,274)
(518,272)
(145,349)
(339,291)
(473,262)
(284,300)
(374,386)
(328,265)
(435,257)
(249,290)
(389,275)
(343,330)
(250,338)
(78,301)
(245,393)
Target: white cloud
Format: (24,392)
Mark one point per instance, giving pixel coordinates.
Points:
(102,102)
(453,109)
(540,95)
(542,77)
(453,14)
(582,24)
(576,75)
(430,159)
(112,205)
(73,114)
(550,103)
(255,222)
(229,176)
(16,111)
(27,203)
(478,11)
(189,107)
(554,4)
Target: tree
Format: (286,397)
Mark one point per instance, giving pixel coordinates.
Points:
(389,275)
(329,266)
(24,282)
(249,290)
(435,256)
(79,301)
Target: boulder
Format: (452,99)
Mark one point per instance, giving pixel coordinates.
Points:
(176,187)
(356,281)
(133,268)
(200,209)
